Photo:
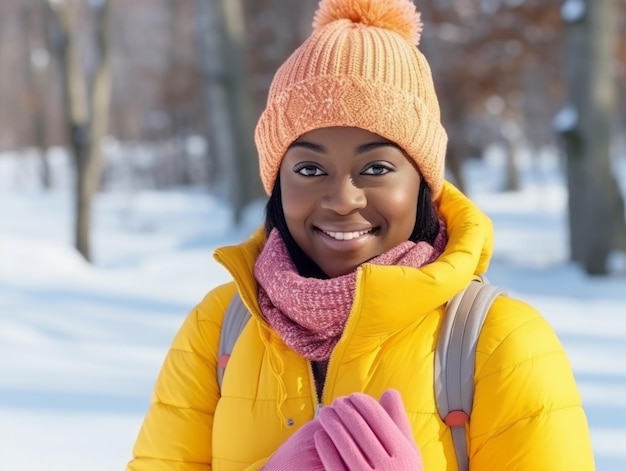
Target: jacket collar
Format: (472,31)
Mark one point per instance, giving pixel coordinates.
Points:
(467,254)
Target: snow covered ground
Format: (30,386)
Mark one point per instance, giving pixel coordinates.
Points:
(81,345)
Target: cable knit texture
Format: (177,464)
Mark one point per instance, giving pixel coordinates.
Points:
(309,313)
(360,68)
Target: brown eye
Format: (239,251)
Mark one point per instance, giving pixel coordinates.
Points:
(309,170)
(377,169)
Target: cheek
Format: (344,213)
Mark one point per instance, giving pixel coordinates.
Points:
(296,202)
(293,209)
(400,207)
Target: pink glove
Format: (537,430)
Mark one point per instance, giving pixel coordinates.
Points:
(361,434)
(298,452)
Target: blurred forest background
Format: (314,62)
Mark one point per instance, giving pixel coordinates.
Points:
(164,93)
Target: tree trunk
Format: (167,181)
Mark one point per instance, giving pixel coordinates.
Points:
(514,142)
(229,100)
(604,202)
(86,115)
(454,164)
(595,204)
(245,181)
(100,97)
(512,178)
(36,75)
(211,60)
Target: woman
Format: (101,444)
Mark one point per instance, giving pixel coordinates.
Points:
(347,284)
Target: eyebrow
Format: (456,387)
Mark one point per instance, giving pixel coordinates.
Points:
(359,150)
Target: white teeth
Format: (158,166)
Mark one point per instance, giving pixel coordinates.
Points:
(346,235)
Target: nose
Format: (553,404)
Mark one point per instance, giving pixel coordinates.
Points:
(343,197)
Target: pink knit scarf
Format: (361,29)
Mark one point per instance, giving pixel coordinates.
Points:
(310,314)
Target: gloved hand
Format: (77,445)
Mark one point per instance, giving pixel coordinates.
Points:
(298,452)
(361,434)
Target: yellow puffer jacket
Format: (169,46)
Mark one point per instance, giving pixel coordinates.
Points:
(527,411)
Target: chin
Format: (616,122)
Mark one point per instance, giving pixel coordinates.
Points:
(346,269)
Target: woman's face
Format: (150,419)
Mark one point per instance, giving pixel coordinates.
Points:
(348,195)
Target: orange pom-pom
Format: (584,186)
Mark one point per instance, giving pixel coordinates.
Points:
(396,15)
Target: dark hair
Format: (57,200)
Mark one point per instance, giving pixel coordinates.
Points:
(427,220)
(426,228)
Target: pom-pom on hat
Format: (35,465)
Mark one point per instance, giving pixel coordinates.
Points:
(359,68)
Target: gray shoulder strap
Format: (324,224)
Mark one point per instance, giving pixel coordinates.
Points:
(455,360)
(235,319)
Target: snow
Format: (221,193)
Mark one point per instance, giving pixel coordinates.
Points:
(573,10)
(566,120)
(81,344)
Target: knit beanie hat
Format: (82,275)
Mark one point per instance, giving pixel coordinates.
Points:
(359,68)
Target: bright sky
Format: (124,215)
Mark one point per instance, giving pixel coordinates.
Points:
(81,345)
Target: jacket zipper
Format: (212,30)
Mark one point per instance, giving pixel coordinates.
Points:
(317,399)
(319,403)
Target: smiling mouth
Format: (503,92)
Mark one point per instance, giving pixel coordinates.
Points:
(347,235)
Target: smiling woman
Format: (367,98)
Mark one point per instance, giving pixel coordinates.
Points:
(347,284)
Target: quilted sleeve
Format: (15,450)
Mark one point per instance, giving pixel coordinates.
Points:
(527,414)
(177,431)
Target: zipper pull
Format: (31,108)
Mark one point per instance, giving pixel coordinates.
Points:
(318,407)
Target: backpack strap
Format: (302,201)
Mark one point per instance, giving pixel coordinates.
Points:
(235,319)
(455,359)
